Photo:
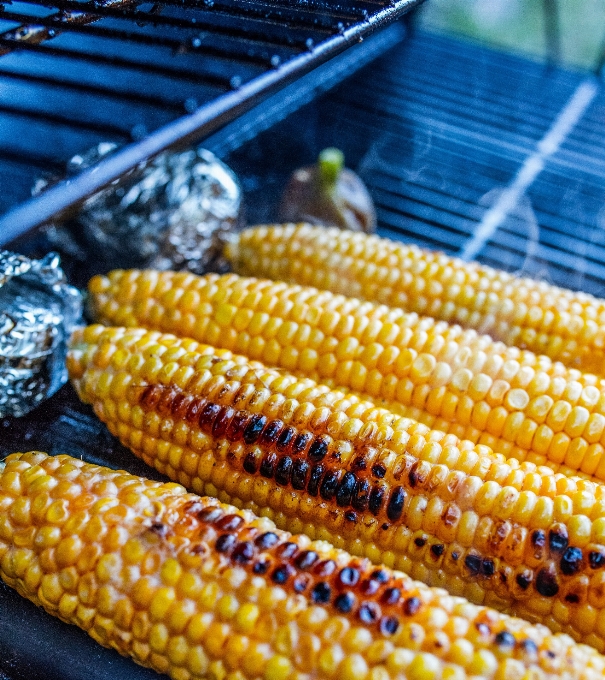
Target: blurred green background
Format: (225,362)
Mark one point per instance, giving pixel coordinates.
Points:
(519,25)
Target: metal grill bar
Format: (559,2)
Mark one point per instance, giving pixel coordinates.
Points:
(318,18)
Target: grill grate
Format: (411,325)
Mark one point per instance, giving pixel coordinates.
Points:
(156,74)
(446,130)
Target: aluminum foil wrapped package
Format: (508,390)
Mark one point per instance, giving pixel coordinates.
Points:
(173,212)
(38,312)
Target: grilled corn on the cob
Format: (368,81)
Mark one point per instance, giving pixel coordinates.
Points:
(565,325)
(197,589)
(522,405)
(511,535)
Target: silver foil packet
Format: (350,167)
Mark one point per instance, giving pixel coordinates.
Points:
(38,312)
(172,212)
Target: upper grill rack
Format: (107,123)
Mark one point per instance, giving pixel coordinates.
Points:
(158,75)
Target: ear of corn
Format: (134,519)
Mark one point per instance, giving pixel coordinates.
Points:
(510,535)
(197,589)
(519,404)
(564,325)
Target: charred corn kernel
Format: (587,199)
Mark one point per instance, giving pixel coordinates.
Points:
(525,405)
(567,326)
(274,596)
(342,470)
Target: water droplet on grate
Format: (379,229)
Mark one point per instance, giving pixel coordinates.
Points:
(275,61)
(310,43)
(196,42)
(235,82)
(190,105)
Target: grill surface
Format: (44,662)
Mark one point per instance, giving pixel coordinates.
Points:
(78,71)
(439,129)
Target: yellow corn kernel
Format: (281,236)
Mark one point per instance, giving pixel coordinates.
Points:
(343,470)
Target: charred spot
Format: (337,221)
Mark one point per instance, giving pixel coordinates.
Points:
(243,552)
(328,487)
(529,646)
(225,542)
(385,526)
(455,556)
(369,612)
(251,464)
(266,540)
(325,568)
(380,576)
(282,574)
(359,463)
(546,583)
(300,443)
(413,476)
(389,625)
(349,576)
(284,471)
(271,432)
(285,439)
(208,415)
(503,578)
(164,405)
(379,470)
(301,583)
(411,606)
(571,562)
(236,428)
(437,549)
(261,567)
(254,428)
(361,495)
(376,499)
(150,396)
(267,466)
(222,421)
(344,603)
(350,516)
(450,516)
(194,410)
(488,567)
(395,504)
(300,470)
(306,559)
(159,529)
(596,560)
(193,508)
(314,479)
(369,587)
(179,405)
(344,492)
(321,593)
(473,564)
(558,539)
(572,598)
(287,550)
(229,523)
(505,639)
(210,515)
(538,538)
(483,629)
(524,580)
(318,449)
(420,542)
(391,596)
(550,654)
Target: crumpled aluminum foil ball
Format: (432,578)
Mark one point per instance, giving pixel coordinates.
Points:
(38,312)
(175,211)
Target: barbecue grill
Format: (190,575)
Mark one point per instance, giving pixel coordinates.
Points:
(464,149)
